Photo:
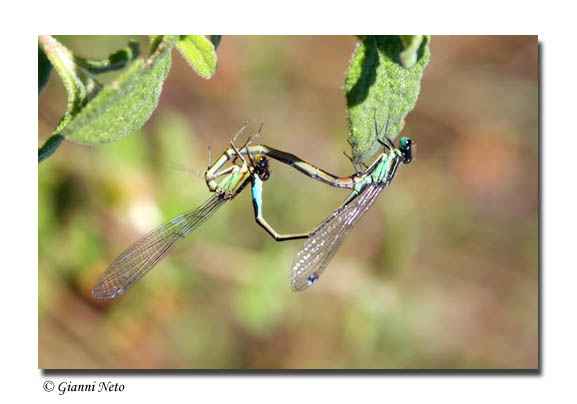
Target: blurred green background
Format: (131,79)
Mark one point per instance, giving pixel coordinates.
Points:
(441,273)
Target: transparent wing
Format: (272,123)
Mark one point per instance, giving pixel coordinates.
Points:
(139,258)
(326,239)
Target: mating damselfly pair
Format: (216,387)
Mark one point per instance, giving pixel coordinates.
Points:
(250,165)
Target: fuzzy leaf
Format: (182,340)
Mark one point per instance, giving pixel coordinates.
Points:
(79,84)
(380,88)
(123,106)
(44,69)
(200,54)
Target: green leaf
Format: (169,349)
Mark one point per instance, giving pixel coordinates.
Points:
(200,54)
(118,60)
(79,84)
(44,69)
(379,88)
(123,106)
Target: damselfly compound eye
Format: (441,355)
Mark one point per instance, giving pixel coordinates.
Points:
(406,147)
(262,168)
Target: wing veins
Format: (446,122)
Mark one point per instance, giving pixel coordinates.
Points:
(326,239)
(140,257)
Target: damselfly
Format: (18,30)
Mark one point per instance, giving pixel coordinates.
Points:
(323,242)
(144,254)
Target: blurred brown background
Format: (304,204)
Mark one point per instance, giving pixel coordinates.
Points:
(441,273)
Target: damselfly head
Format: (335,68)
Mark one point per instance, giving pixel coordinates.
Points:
(406,146)
(261,168)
